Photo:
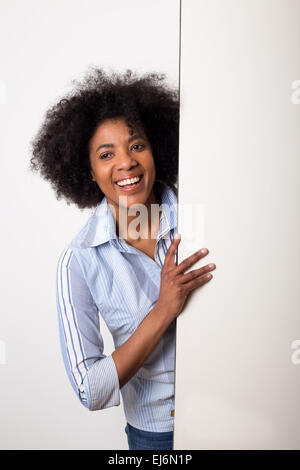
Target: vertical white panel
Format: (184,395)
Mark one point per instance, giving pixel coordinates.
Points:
(237,357)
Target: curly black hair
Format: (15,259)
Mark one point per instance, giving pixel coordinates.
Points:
(60,148)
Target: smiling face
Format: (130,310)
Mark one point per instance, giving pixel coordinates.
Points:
(118,152)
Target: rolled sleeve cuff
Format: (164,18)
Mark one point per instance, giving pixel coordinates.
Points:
(101,384)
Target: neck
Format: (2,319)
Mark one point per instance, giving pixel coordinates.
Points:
(139,222)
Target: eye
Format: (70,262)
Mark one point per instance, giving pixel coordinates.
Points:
(138,145)
(103,156)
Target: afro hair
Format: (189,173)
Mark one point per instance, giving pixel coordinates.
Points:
(61,147)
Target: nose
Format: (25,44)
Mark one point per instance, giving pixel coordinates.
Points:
(126,161)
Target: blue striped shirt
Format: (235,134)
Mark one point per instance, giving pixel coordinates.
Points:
(99,273)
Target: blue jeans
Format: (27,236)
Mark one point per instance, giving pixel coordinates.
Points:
(146,440)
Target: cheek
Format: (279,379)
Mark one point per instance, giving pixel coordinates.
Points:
(103,174)
(150,162)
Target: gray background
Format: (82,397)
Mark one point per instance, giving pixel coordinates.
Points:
(44,45)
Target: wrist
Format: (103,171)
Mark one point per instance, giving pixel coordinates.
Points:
(162,313)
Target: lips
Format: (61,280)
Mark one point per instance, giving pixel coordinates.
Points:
(128,177)
(130,187)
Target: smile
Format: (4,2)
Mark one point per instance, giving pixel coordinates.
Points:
(130,184)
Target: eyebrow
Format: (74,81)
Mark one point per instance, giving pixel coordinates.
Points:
(133,137)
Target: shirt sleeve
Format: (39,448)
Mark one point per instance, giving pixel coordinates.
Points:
(92,374)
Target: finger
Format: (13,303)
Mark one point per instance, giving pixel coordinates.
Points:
(198,282)
(169,258)
(188,262)
(184,278)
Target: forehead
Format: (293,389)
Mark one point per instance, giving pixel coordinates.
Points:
(116,127)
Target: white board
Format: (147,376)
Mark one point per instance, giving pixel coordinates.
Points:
(237,347)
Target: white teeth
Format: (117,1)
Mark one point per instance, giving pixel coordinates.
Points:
(129,181)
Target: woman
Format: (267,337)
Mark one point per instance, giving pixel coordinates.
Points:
(112,144)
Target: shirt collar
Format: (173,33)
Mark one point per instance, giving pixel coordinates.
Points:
(100,228)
